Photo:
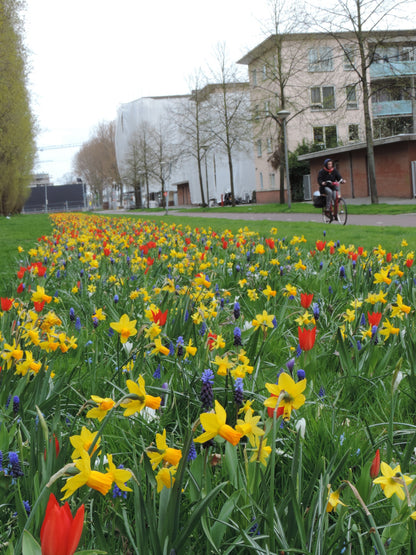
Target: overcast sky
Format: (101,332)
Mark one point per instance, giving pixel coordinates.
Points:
(89,56)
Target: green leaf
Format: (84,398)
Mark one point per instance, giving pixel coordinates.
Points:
(91,552)
(29,545)
(220,527)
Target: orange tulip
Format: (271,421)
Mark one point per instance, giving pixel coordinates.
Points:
(306,338)
(375,465)
(60,532)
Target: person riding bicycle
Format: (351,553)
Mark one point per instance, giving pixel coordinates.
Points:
(326,178)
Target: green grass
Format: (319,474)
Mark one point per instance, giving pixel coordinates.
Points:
(22,230)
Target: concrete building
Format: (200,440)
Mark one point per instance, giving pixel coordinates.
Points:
(312,76)
(182,183)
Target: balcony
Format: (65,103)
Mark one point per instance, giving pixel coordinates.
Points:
(381,70)
(392,108)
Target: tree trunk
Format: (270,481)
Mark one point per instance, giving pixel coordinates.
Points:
(370,146)
(201,182)
(230,168)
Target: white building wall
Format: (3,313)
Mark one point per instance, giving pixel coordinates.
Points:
(153,110)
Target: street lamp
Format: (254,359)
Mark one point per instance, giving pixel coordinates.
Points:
(283,115)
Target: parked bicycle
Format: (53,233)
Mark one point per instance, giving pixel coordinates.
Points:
(338,209)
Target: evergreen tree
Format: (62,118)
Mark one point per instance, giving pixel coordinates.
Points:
(17,146)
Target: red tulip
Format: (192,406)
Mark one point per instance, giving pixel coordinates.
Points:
(374,318)
(409,262)
(375,465)
(6,303)
(320,245)
(60,532)
(306,338)
(160,317)
(271,411)
(306,299)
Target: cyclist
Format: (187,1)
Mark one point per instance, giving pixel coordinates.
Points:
(326,178)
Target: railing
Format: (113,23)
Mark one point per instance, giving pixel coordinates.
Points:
(379,70)
(392,108)
(67,206)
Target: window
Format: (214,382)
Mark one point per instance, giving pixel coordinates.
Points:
(351,92)
(254,77)
(267,107)
(272,181)
(256,112)
(325,136)
(269,145)
(259,147)
(261,181)
(264,72)
(348,58)
(323,98)
(353,133)
(320,59)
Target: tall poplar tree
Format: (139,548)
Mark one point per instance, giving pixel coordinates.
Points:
(17,145)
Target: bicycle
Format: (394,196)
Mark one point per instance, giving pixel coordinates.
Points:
(338,209)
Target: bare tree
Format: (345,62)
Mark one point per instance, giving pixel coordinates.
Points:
(192,120)
(276,87)
(164,153)
(96,161)
(228,101)
(363,20)
(139,163)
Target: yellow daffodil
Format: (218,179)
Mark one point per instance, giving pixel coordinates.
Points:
(223,365)
(290,291)
(382,276)
(163,452)
(118,475)
(104,405)
(288,393)
(392,481)
(248,427)
(263,320)
(261,451)
(159,348)
(11,353)
(189,349)
(333,500)
(214,425)
(165,478)
(39,295)
(125,327)
(388,329)
(139,398)
(92,478)
(99,315)
(83,442)
(269,292)
(399,308)
(252,294)
(153,331)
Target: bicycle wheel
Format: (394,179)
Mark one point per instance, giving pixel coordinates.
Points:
(342,211)
(325,218)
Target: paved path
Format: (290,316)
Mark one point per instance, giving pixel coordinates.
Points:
(380,220)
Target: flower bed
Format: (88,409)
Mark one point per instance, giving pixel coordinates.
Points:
(207,392)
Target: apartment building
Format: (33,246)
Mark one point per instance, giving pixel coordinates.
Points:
(313,76)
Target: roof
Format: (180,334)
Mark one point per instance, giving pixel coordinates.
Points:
(259,50)
(330,152)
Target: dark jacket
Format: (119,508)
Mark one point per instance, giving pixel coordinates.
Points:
(325,175)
